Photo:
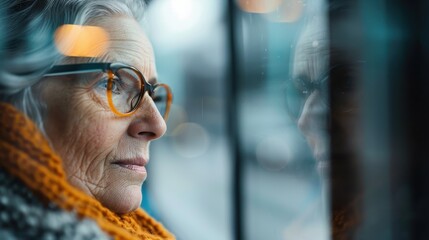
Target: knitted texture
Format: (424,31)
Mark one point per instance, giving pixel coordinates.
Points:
(26,154)
(24,216)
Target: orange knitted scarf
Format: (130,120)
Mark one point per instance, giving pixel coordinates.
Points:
(26,154)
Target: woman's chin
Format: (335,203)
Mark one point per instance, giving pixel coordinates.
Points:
(124,200)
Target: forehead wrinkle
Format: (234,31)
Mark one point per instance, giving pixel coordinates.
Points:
(314,31)
(145,65)
(313,67)
(311,61)
(133,46)
(132,51)
(129,37)
(132,55)
(306,41)
(128,44)
(312,52)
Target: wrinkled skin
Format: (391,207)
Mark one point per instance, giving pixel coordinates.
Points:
(311,61)
(90,137)
(334,143)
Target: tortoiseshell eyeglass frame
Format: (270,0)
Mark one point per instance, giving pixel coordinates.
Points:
(111,69)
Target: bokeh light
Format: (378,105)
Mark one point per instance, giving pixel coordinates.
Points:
(81,41)
(180,20)
(259,6)
(178,116)
(190,140)
(289,11)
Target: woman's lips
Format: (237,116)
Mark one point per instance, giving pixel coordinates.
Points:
(135,164)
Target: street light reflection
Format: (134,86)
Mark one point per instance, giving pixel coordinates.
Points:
(289,11)
(81,41)
(259,6)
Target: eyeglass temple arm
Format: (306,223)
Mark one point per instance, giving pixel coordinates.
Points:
(60,70)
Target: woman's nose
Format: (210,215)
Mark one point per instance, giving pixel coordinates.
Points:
(148,124)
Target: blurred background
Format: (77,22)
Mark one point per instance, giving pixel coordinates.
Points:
(220,80)
(236,165)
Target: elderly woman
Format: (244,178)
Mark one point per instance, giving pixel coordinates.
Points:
(326,86)
(79,106)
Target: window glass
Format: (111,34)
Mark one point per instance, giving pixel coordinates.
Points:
(283,60)
(189,183)
(280,59)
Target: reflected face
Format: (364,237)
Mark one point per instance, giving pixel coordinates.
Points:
(314,56)
(310,66)
(104,155)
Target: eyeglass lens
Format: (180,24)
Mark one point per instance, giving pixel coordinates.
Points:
(298,91)
(160,97)
(127,92)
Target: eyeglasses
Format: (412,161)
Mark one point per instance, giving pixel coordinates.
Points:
(124,86)
(343,88)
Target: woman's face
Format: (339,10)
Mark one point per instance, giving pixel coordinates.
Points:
(311,62)
(104,155)
(313,58)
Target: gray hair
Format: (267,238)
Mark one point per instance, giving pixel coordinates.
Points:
(27,48)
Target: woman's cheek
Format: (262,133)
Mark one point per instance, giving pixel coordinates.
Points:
(97,139)
(84,133)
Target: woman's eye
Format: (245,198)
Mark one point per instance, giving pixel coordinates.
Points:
(103,84)
(303,85)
